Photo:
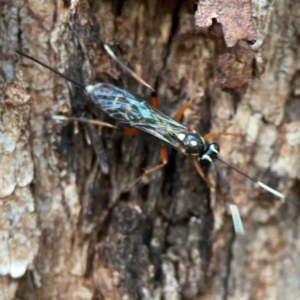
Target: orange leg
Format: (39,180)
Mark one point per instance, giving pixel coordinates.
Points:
(178,115)
(126,130)
(129,130)
(180,112)
(154,100)
(213,134)
(83,120)
(164,158)
(199,170)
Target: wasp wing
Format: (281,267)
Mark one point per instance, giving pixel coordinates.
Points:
(130,111)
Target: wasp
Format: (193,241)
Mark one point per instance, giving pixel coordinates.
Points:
(134,115)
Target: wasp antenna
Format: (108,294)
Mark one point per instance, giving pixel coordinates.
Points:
(237,221)
(264,186)
(235,214)
(128,70)
(50,68)
(269,189)
(230,166)
(83,120)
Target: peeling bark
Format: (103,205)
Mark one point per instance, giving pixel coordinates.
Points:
(71,229)
(234,15)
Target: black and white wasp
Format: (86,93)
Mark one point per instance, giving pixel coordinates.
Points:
(136,115)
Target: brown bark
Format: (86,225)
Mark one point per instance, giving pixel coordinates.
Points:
(70,229)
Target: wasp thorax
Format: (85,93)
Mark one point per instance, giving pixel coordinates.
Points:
(211,152)
(193,143)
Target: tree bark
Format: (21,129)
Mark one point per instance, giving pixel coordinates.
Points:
(70,226)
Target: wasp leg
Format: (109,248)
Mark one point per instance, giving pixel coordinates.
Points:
(154,100)
(213,134)
(84,120)
(129,130)
(128,70)
(178,115)
(96,141)
(164,158)
(98,146)
(180,112)
(199,170)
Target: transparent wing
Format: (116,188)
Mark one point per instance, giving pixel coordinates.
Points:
(129,110)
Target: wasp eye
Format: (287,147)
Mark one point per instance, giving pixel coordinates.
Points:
(211,153)
(214,147)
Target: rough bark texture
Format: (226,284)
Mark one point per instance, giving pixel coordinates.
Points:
(234,15)
(69,227)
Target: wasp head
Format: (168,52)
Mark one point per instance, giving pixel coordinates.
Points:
(210,153)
